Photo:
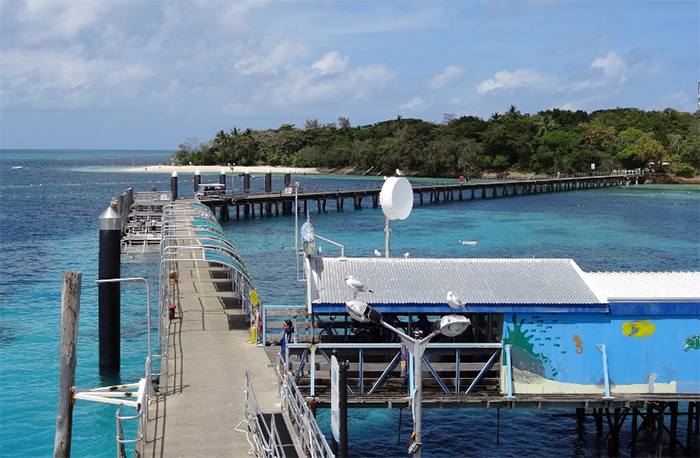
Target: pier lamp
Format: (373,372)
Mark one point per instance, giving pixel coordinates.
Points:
(448,325)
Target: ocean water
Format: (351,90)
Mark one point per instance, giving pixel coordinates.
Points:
(49,211)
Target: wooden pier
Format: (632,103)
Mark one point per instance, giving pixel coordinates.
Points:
(274,204)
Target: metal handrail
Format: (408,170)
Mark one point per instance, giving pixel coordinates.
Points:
(313,442)
(266,436)
(309,354)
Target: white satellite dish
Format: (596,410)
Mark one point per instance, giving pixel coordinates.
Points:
(396,198)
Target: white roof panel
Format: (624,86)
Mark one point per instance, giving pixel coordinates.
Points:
(475,281)
(646,285)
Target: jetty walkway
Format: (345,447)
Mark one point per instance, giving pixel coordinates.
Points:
(273,203)
(205,403)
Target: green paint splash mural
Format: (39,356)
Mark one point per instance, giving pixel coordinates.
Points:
(523,353)
(692,342)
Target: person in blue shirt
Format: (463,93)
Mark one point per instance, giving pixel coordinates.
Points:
(287,331)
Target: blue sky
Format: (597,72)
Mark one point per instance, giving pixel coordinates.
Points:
(128,74)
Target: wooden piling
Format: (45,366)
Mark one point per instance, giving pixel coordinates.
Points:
(70,310)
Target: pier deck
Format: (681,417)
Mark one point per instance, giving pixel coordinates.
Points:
(269,203)
(202,401)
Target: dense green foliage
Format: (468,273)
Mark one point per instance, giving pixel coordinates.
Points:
(547,142)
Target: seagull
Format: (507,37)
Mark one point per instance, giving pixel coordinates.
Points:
(399,172)
(318,250)
(455,302)
(377,253)
(406,255)
(356,285)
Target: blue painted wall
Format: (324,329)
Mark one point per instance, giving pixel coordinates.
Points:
(644,353)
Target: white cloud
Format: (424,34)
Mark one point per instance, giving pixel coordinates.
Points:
(415,102)
(286,52)
(300,87)
(330,63)
(43,21)
(446,77)
(523,77)
(612,64)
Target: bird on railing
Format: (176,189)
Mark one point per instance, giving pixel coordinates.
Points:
(377,253)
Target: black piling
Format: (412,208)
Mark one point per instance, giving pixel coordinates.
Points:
(222,178)
(173,185)
(287,177)
(197,179)
(246,182)
(109,293)
(268,181)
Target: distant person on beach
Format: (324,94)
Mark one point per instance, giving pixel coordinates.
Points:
(287,331)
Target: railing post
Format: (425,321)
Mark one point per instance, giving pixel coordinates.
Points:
(604,352)
(509,371)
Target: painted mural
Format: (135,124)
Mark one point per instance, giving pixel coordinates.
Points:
(558,353)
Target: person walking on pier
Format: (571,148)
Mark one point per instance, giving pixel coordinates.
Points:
(287,331)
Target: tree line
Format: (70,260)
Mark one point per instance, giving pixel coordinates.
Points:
(548,142)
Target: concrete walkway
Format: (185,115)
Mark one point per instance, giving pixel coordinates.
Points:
(202,401)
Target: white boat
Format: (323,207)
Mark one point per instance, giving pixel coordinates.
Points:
(17,167)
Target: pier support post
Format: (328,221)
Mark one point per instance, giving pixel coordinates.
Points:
(70,311)
(222,178)
(197,179)
(268,180)
(287,177)
(173,186)
(268,189)
(109,293)
(246,181)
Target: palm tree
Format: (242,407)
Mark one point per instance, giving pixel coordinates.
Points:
(545,124)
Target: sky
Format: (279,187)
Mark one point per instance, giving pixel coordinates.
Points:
(152,74)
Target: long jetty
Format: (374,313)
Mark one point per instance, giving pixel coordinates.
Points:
(206,404)
(276,203)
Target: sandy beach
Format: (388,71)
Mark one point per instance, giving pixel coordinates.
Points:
(186,169)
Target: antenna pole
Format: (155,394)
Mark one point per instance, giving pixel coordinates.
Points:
(387,229)
(296,227)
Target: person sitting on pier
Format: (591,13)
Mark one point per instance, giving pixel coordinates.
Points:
(287,331)
(153,225)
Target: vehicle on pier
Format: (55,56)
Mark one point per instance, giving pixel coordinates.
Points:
(210,190)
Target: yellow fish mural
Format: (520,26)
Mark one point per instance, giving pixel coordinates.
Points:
(638,328)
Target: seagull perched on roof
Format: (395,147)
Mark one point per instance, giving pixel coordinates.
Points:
(356,285)
(406,255)
(377,253)
(455,302)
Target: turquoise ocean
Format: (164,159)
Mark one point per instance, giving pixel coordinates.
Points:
(49,213)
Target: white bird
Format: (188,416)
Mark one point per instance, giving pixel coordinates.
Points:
(406,255)
(455,302)
(318,250)
(377,253)
(399,172)
(356,285)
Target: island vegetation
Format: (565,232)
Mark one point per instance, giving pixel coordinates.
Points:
(548,142)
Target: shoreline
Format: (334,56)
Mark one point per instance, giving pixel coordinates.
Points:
(278,170)
(218,168)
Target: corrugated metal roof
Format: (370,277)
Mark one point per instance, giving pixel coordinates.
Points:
(642,285)
(475,281)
